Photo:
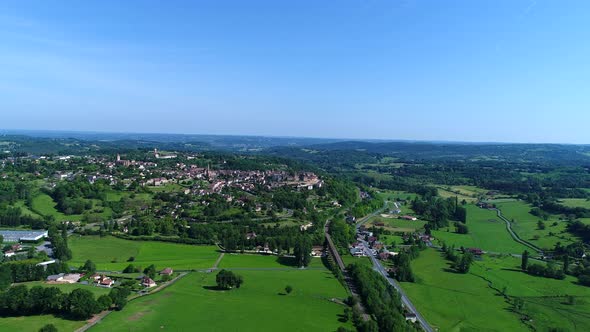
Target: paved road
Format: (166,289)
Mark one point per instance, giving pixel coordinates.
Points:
(405,299)
(379,268)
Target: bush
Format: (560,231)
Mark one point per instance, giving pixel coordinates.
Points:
(48,328)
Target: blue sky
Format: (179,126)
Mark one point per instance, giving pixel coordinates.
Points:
(512,71)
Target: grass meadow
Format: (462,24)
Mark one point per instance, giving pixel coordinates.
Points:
(525,225)
(44,205)
(112,254)
(486,231)
(243,261)
(259,305)
(34,323)
(472,302)
(575,202)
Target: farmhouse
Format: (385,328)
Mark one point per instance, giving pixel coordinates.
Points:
(411,317)
(71,278)
(55,277)
(356,252)
(106,282)
(167,272)
(475,251)
(317,251)
(384,256)
(409,218)
(148,282)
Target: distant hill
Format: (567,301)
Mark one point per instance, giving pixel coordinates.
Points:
(424,151)
(198,142)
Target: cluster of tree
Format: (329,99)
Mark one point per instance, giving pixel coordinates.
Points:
(78,304)
(13,189)
(13,217)
(342,234)
(59,241)
(302,250)
(227,280)
(461,228)
(288,199)
(547,271)
(461,263)
(439,210)
(366,206)
(580,229)
(381,300)
(27,270)
(345,192)
(403,270)
(551,206)
(582,271)
(73,197)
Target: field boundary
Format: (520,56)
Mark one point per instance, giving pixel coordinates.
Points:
(99,317)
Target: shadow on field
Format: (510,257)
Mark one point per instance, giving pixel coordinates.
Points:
(287,261)
(450,270)
(213,288)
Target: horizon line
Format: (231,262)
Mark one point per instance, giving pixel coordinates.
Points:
(338,139)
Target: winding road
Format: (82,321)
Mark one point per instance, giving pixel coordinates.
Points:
(515,237)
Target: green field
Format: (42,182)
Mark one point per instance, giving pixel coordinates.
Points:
(525,225)
(25,209)
(457,302)
(349,259)
(44,205)
(263,261)
(467,302)
(398,225)
(486,231)
(575,202)
(193,303)
(110,253)
(34,323)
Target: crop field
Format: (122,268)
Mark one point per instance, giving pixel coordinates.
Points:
(259,305)
(112,254)
(486,231)
(525,225)
(576,202)
(464,295)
